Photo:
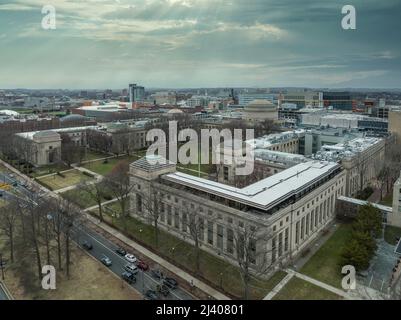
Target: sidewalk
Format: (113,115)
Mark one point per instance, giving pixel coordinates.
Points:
(103,203)
(187,277)
(167,265)
(278,287)
(323,285)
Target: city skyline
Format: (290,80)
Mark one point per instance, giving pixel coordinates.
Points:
(199,43)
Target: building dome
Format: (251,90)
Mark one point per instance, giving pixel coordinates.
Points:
(73,117)
(9,113)
(260,110)
(175,111)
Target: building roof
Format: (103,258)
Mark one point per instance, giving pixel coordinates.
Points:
(267,192)
(345,150)
(151,163)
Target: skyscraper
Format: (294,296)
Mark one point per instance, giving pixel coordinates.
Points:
(136,93)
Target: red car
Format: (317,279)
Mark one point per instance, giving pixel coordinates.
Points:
(142,265)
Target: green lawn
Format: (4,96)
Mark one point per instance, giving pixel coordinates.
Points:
(103,167)
(216,270)
(49,169)
(325,264)
(93,155)
(299,289)
(56,182)
(81,198)
(391,233)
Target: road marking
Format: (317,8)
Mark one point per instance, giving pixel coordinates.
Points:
(118,256)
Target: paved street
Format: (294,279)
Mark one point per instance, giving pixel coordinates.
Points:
(104,247)
(101,245)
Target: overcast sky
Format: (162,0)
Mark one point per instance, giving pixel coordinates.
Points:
(200,43)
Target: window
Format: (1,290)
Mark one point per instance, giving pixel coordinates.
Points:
(176,219)
(201,228)
(252,251)
(297,232)
(169,215)
(230,241)
(225,173)
(286,240)
(138,203)
(210,232)
(274,250)
(220,236)
(280,244)
(184,225)
(302,227)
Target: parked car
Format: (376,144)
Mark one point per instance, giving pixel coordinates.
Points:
(156,273)
(121,251)
(171,283)
(129,277)
(131,268)
(87,245)
(151,295)
(130,258)
(106,261)
(142,265)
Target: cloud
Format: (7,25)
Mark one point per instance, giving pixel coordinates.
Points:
(200,43)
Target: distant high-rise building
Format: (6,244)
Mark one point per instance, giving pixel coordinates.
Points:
(136,93)
(339,100)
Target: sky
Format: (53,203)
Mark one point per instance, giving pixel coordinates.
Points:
(200,43)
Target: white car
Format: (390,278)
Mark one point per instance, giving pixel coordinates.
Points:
(130,258)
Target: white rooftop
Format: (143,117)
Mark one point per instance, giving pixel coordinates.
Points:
(345,150)
(265,193)
(29,135)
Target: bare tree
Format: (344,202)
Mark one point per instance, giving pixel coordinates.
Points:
(8,224)
(120,186)
(252,260)
(96,191)
(70,218)
(152,201)
(193,224)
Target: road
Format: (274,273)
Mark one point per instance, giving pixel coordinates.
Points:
(104,247)
(101,245)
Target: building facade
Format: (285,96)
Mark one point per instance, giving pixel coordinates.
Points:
(286,211)
(394,218)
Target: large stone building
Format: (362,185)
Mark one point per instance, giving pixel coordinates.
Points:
(394,118)
(44,147)
(285,211)
(362,159)
(395,217)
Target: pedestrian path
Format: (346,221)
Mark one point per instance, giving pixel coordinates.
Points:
(103,203)
(159,260)
(279,286)
(321,284)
